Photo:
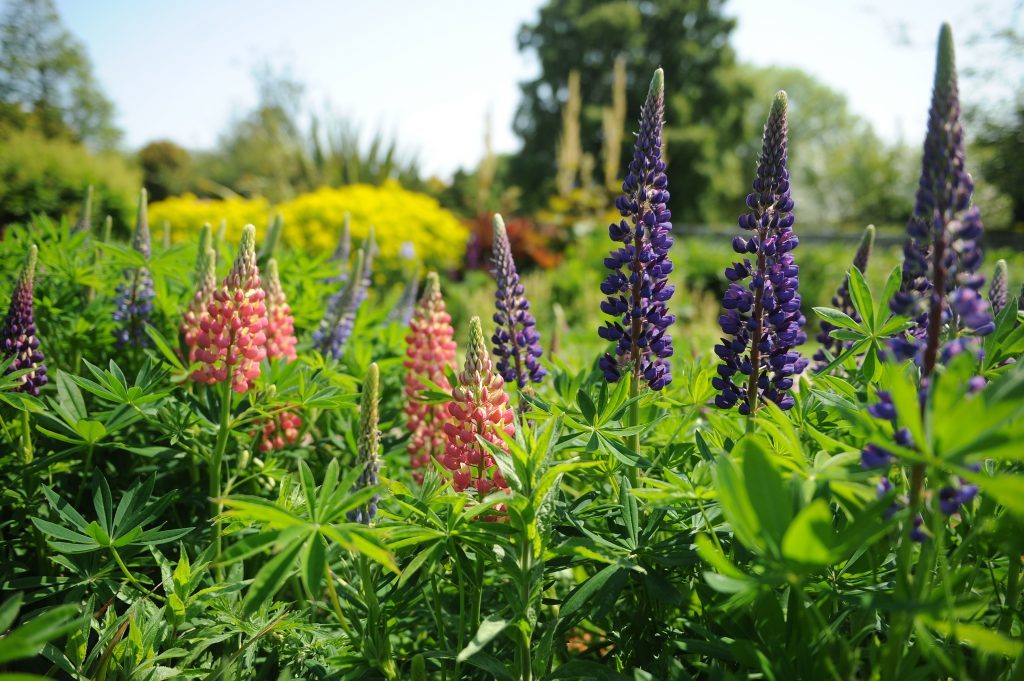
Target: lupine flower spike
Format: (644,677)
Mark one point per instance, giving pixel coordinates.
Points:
(762,320)
(368,445)
(340,314)
(941,285)
(206,284)
(516,341)
(430,349)
(134,301)
(479,408)
(18,338)
(280,323)
(232,340)
(999,291)
(342,251)
(279,431)
(638,290)
(84,223)
(842,301)
(402,312)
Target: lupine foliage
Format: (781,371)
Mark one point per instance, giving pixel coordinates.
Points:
(265,522)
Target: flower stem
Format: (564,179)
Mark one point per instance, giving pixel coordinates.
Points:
(755,339)
(633,420)
(223,432)
(26,437)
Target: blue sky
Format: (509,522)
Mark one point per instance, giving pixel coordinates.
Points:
(429,72)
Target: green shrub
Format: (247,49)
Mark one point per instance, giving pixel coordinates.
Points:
(50,176)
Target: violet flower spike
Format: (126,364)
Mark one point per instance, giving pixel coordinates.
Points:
(516,340)
(339,317)
(637,288)
(18,338)
(999,290)
(762,322)
(134,300)
(941,287)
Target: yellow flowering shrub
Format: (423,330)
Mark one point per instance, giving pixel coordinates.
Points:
(312,221)
(187,213)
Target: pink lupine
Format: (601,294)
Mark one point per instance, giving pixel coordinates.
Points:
(279,431)
(429,350)
(280,323)
(232,339)
(479,407)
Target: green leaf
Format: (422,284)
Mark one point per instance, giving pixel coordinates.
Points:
(314,563)
(810,542)
(28,639)
(489,628)
(892,285)
(736,505)
(9,611)
(272,576)
(768,496)
(860,295)
(985,639)
(584,592)
(837,318)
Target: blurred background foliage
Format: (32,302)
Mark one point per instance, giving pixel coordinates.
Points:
(58,136)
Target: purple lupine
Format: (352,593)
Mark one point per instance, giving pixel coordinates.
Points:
(638,290)
(134,301)
(999,290)
(340,315)
(941,284)
(843,302)
(762,320)
(18,338)
(342,251)
(516,340)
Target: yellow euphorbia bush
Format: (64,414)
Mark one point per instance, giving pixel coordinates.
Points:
(187,213)
(313,221)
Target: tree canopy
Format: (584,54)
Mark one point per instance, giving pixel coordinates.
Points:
(46,78)
(704,95)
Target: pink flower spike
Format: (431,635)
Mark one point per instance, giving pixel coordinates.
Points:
(235,323)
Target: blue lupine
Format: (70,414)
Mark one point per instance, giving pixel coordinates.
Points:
(18,338)
(368,446)
(134,300)
(999,290)
(762,320)
(941,284)
(340,316)
(638,290)
(342,251)
(516,340)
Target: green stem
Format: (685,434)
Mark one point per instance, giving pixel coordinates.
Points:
(633,420)
(373,619)
(223,432)
(134,582)
(26,437)
(336,603)
(525,569)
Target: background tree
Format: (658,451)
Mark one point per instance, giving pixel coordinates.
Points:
(46,79)
(705,98)
(843,173)
(166,169)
